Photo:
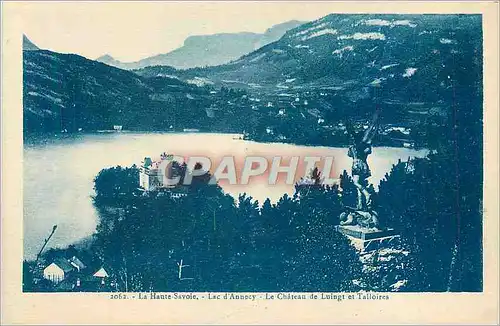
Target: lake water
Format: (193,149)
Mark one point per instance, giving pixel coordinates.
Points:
(58,173)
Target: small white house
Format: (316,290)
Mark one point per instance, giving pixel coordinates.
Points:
(58,270)
(101,273)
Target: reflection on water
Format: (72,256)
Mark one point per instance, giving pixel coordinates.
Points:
(58,174)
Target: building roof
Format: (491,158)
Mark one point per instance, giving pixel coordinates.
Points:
(147,162)
(63,264)
(101,273)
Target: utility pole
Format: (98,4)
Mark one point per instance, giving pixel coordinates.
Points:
(214,220)
(33,268)
(45,243)
(181,266)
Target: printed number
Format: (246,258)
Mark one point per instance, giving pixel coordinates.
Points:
(118,296)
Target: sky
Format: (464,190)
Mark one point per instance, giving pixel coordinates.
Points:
(131,31)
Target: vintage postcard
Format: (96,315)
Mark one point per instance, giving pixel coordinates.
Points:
(249,162)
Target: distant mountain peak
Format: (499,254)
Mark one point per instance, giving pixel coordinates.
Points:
(284,26)
(353,54)
(105,57)
(209,50)
(109,60)
(28,45)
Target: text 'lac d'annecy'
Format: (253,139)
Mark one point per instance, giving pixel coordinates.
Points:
(254,296)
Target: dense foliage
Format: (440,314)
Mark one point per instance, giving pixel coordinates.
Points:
(207,241)
(437,202)
(198,238)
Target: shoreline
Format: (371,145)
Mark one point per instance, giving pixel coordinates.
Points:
(34,139)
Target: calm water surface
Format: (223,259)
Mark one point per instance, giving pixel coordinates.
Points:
(58,174)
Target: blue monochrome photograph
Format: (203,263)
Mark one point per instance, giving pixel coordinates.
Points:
(340,153)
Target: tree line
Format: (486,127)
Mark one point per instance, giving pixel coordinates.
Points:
(208,241)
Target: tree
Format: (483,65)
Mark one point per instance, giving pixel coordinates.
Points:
(322,259)
(437,202)
(204,241)
(424,210)
(158,241)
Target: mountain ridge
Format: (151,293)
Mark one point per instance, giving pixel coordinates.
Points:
(344,66)
(28,45)
(347,50)
(302,88)
(208,50)
(68,93)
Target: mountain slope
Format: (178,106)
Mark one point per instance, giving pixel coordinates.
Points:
(343,66)
(69,93)
(208,50)
(66,92)
(301,88)
(352,53)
